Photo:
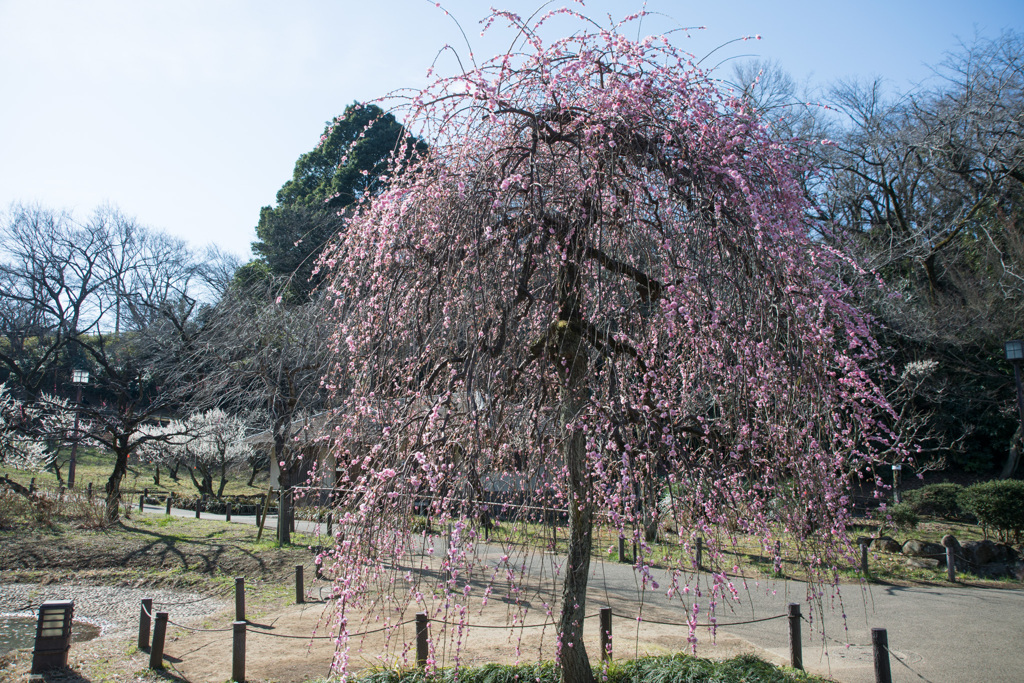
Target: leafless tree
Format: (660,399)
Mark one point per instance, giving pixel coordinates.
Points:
(108,295)
(927,187)
(262,355)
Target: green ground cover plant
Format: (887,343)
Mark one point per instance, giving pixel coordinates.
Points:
(677,668)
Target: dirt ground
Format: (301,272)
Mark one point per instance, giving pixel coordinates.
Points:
(285,642)
(207,656)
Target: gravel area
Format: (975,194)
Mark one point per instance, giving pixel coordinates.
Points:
(115,610)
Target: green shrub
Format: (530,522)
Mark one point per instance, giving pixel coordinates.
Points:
(936,500)
(900,515)
(998,505)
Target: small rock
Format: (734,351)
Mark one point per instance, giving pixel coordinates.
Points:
(886,544)
(923,562)
(917,548)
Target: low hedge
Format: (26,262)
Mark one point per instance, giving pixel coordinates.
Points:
(936,500)
(240,505)
(998,505)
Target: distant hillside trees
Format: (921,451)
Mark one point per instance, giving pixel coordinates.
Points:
(927,188)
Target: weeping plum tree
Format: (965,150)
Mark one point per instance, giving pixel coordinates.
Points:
(599,291)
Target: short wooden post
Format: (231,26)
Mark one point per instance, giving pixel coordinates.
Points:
(796,648)
(259,504)
(88,492)
(142,499)
(622,549)
(880,645)
(238,651)
(227,513)
(300,592)
(145,622)
(606,633)
(239,598)
(950,564)
(167,504)
(156,654)
(32,485)
(199,504)
(421,639)
(330,524)
(700,552)
(864,558)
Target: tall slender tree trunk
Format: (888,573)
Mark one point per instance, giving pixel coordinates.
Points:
(284,480)
(1013,459)
(572,653)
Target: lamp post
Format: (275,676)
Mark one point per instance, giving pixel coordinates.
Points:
(78,378)
(1015,354)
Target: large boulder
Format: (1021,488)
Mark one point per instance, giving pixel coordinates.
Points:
(918,548)
(979,553)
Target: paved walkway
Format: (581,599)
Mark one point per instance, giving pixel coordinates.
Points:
(935,634)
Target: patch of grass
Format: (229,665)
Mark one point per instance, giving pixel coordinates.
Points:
(95,465)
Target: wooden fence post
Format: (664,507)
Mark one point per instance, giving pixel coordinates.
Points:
(300,592)
(88,493)
(227,513)
(142,499)
(622,549)
(796,647)
(238,651)
(239,598)
(144,623)
(156,654)
(167,504)
(700,552)
(950,564)
(880,645)
(199,504)
(421,639)
(606,633)
(864,558)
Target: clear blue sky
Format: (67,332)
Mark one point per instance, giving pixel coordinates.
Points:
(189,114)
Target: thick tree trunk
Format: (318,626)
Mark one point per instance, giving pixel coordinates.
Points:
(572,654)
(113,487)
(223,480)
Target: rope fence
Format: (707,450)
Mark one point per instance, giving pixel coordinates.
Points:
(240,628)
